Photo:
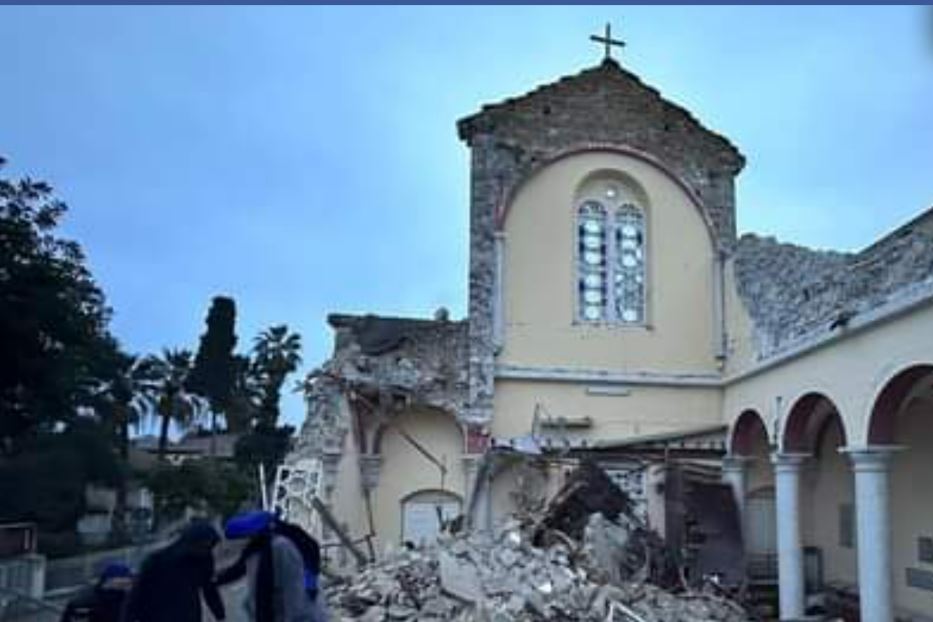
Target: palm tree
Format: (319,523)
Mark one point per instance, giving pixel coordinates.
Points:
(122,401)
(174,402)
(128,396)
(276,353)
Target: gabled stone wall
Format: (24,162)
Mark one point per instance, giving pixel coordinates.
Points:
(601,107)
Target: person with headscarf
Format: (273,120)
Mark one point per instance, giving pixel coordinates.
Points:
(281,563)
(172,580)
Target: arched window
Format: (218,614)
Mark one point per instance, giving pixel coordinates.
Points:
(610,254)
(423,511)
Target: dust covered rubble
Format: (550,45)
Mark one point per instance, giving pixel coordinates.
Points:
(504,578)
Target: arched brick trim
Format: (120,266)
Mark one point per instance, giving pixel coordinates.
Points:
(888,403)
(745,430)
(437,491)
(806,418)
(508,195)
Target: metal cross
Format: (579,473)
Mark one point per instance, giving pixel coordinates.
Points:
(607,41)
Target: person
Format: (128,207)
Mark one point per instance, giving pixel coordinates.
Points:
(172,580)
(281,563)
(102,602)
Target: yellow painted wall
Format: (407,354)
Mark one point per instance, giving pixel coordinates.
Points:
(912,500)
(405,470)
(540,282)
(740,348)
(646,410)
(760,474)
(850,372)
(827,483)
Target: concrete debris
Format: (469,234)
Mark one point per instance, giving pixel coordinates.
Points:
(587,490)
(503,577)
(590,508)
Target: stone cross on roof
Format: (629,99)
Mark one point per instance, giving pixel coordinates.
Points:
(607,41)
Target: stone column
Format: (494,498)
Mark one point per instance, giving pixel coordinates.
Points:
(873,524)
(787,469)
(478,509)
(735,473)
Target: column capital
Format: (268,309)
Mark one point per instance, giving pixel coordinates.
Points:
(788,462)
(871,457)
(370,469)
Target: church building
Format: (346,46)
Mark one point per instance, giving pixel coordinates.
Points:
(612,305)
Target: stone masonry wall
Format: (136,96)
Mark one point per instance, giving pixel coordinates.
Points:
(421,361)
(792,292)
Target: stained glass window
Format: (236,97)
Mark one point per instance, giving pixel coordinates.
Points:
(591,261)
(610,258)
(629,270)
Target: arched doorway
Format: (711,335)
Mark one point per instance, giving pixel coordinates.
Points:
(811,434)
(749,450)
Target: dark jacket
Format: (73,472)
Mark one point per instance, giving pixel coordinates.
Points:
(95,604)
(171,580)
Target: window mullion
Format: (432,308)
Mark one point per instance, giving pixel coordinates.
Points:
(610,232)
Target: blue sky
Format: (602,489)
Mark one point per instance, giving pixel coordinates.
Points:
(304,159)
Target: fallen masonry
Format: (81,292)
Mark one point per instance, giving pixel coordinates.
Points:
(503,577)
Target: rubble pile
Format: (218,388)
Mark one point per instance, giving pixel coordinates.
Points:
(503,577)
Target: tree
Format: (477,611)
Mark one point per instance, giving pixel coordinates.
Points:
(276,353)
(213,374)
(127,395)
(264,444)
(46,482)
(199,484)
(243,406)
(174,403)
(53,316)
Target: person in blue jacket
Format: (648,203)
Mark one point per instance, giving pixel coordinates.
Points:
(282,565)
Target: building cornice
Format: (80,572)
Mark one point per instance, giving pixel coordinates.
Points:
(606,377)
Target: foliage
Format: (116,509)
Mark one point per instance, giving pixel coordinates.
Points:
(276,354)
(46,482)
(214,372)
(174,402)
(264,445)
(53,316)
(126,396)
(209,485)
(244,400)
